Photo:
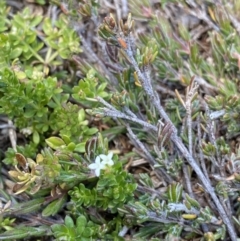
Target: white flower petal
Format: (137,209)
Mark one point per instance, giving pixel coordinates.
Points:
(97,160)
(97,166)
(110,155)
(110,162)
(103,157)
(97,172)
(107,159)
(92,166)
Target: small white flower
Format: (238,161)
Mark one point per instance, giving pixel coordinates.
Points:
(97,166)
(107,159)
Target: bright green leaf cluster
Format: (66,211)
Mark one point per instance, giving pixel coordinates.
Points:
(89,88)
(114,188)
(83,230)
(71,123)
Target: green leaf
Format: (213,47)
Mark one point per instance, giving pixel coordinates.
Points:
(64,53)
(192,201)
(174,192)
(28,207)
(36,20)
(80,147)
(20,75)
(36,137)
(56,228)
(47,26)
(71,146)
(60,231)
(66,139)
(54,206)
(81,223)
(88,232)
(29,113)
(55,142)
(15,53)
(91,131)
(23,232)
(81,115)
(69,222)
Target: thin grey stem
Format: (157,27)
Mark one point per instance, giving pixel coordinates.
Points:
(95,59)
(105,103)
(189,128)
(187,180)
(201,156)
(141,146)
(192,162)
(207,185)
(118,114)
(148,155)
(145,85)
(124,8)
(129,112)
(225,202)
(178,142)
(211,135)
(191,91)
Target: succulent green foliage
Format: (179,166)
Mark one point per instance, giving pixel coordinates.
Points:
(60,38)
(3,16)
(27,101)
(28,150)
(58,172)
(40,103)
(190,202)
(83,230)
(209,149)
(7,223)
(27,95)
(89,88)
(72,123)
(23,37)
(111,191)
